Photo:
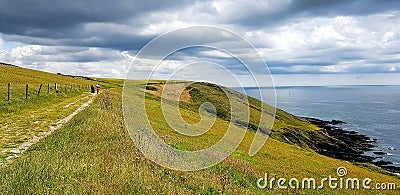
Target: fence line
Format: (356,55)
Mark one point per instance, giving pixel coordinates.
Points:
(58,88)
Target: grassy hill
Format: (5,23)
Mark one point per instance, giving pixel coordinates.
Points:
(20,77)
(21,118)
(93,153)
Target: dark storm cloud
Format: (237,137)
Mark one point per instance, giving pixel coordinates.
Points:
(115,41)
(63,22)
(342,7)
(37,18)
(314,8)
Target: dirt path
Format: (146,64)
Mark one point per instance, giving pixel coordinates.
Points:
(68,105)
(24,146)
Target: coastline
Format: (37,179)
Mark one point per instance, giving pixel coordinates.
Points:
(335,142)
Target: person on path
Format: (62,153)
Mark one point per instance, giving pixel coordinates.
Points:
(98,88)
(92,89)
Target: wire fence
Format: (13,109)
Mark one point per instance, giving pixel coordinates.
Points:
(10,91)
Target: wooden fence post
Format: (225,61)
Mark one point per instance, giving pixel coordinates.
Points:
(55,87)
(40,88)
(48,88)
(26,91)
(9,92)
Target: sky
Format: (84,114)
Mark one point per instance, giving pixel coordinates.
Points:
(303,42)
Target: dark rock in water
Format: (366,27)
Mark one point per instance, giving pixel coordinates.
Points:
(380,153)
(337,122)
(382,162)
(391,148)
(392,169)
(336,142)
(387,166)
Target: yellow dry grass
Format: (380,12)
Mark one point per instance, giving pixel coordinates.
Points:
(173,90)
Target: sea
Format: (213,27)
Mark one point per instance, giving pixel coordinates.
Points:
(370,110)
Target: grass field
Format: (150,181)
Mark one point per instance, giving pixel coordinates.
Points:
(93,153)
(20,77)
(21,118)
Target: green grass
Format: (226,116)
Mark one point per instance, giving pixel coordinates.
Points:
(21,118)
(284,123)
(20,77)
(93,153)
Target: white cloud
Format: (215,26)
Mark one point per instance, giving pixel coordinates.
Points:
(332,45)
(392,69)
(2,51)
(387,37)
(25,51)
(334,68)
(114,69)
(215,53)
(96,62)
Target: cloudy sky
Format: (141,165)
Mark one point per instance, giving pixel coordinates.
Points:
(304,42)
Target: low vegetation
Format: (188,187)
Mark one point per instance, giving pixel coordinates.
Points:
(93,153)
(21,118)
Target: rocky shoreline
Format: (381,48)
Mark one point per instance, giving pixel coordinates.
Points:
(336,142)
